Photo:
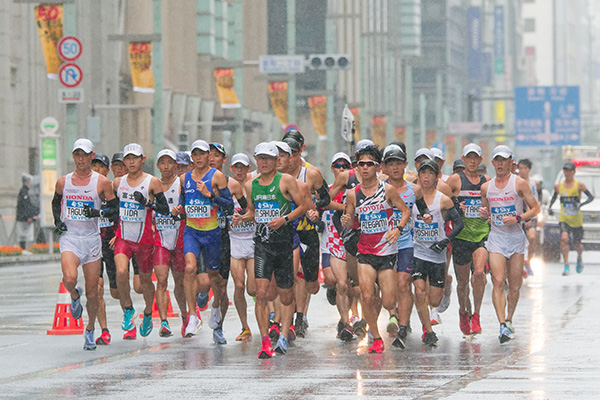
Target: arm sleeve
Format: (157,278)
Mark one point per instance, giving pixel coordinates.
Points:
(336,220)
(324,198)
(422,206)
(182,198)
(160,204)
(554,197)
(456,205)
(56,207)
(225,200)
(590,198)
(458,223)
(112,210)
(244,204)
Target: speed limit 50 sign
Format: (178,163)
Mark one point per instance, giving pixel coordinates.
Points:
(69,48)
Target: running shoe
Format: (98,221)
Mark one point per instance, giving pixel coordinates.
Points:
(392,326)
(266,351)
(377,346)
(354,320)
(403,331)
(360,328)
(299,328)
(430,339)
(281,346)
(146,325)
(435,317)
(215,318)
(218,336)
(165,329)
(528,268)
(184,325)
(346,334)
(89,343)
(579,267)
(399,342)
(193,326)
(292,333)
(202,300)
(465,323)
(509,325)
(244,335)
(274,331)
(505,334)
(331,294)
(76,307)
(103,339)
(130,334)
(340,326)
(128,316)
(475,324)
(566,270)
(445,302)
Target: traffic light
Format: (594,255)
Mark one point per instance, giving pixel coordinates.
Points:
(328,62)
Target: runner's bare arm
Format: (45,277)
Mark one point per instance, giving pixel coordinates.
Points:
(421,205)
(484,211)
(348,217)
(290,187)
(524,191)
(339,184)
(249,214)
(394,199)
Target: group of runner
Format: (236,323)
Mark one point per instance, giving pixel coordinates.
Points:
(383,228)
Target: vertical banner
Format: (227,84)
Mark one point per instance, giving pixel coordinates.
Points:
(499,40)
(140,61)
(400,134)
(474,54)
(224,81)
(356,112)
(378,130)
(500,117)
(451,148)
(278,93)
(318,113)
(430,137)
(49,21)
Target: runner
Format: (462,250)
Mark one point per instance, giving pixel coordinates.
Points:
(429,271)
(168,243)
(438,157)
(468,249)
(117,166)
(571,217)
(136,191)
(458,166)
(76,207)
(502,202)
(529,227)
(203,190)
(372,202)
(269,204)
(242,248)
(184,162)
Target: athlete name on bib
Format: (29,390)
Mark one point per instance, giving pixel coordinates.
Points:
(132,211)
(266,211)
(164,222)
(499,212)
(374,222)
(198,208)
(397,216)
(243,227)
(472,207)
(75,209)
(426,232)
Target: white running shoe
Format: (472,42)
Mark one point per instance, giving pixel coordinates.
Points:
(445,303)
(193,326)
(435,317)
(215,318)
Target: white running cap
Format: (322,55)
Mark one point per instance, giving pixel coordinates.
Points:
(240,158)
(200,145)
(502,151)
(341,156)
(424,151)
(84,144)
(471,148)
(266,149)
(133,148)
(166,152)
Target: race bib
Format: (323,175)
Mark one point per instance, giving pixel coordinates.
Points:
(221,219)
(104,222)
(570,208)
(499,212)
(397,216)
(164,222)
(426,232)
(472,207)
(244,227)
(266,211)
(198,208)
(75,209)
(132,211)
(374,222)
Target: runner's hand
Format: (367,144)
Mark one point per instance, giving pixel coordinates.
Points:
(313,215)
(392,235)
(427,218)
(60,228)
(439,246)
(90,212)
(276,223)
(484,212)
(139,197)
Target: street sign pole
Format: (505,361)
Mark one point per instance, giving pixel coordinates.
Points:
(291,47)
(72,114)
(157,109)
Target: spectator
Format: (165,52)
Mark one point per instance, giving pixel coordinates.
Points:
(26,213)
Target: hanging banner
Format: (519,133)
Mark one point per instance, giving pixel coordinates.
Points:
(318,113)
(356,112)
(378,130)
(500,117)
(278,93)
(49,21)
(400,134)
(140,61)
(224,81)
(430,137)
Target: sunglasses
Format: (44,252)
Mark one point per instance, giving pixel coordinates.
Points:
(367,163)
(342,166)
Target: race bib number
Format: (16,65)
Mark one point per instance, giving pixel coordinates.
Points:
(499,212)
(374,222)
(75,209)
(472,207)
(266,211)
(570,208)
(164,222)
(397,216)
(104,222)
(132,211)
(426,232)
(221,219)
(198,208)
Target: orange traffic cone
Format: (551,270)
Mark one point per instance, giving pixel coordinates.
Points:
(64,323)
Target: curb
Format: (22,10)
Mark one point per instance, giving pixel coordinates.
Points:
(33,259)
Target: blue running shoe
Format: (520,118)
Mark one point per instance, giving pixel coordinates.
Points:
(579,267)
(566,270)
(89,343)
(505,334)
(165,329)
(219,337)
(146,325)
(76,307)
(202,300)
(281,346)
(128,316)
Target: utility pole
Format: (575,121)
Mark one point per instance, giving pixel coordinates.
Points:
(157,110)
(330,76)
(291,47)
(72,114)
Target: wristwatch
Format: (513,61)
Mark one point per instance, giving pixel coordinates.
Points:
(287,219)
(519,218)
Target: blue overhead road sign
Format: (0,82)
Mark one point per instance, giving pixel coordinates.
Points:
(547,116)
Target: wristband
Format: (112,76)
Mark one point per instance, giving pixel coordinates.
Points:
(519,218)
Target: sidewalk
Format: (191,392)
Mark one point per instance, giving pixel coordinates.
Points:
(29,259)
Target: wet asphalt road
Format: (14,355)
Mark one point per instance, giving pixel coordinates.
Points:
(555,353)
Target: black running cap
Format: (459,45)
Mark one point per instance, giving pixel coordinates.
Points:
(429,164)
